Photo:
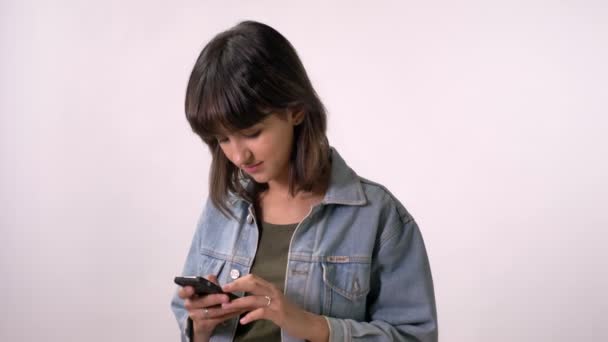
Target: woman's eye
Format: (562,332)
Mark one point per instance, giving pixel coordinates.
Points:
(222,140)
(252,134)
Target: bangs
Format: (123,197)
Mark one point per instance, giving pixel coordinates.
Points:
(223,109)
(224,96)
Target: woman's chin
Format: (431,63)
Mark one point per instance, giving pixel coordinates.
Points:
(258,178)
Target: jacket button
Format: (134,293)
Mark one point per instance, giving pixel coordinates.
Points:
(234,273)
(249,219)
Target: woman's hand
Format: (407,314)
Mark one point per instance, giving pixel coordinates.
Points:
(268,302)
(206,312)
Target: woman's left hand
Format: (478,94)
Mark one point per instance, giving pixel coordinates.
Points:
(267,302)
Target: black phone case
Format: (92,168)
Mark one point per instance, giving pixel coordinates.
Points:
(202,286)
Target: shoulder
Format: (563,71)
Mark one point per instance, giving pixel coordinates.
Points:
(348,188)
(378,195)
(395,223)
(212,213)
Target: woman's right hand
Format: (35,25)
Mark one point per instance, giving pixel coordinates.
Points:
(206,311)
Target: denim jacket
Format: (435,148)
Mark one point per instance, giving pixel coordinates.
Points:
(357,258)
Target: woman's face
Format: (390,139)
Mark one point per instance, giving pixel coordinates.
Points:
(263,150)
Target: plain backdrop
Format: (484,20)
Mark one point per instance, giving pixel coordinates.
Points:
(487,119)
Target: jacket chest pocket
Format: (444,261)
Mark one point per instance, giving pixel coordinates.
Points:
(209,264)
(346,286)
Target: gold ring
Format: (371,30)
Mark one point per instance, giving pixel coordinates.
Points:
(269,300)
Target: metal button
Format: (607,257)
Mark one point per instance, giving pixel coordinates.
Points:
(249,219)
(234,273)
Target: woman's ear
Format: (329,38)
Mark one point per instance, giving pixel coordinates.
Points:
(297,117)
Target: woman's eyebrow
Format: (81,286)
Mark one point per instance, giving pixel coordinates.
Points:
(253,127)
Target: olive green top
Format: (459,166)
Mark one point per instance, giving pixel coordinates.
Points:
(270,264)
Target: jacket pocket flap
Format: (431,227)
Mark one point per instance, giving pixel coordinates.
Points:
(349,279)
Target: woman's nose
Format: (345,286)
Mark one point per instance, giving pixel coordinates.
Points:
(242,155)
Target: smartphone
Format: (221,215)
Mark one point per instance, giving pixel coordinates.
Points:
(202,286)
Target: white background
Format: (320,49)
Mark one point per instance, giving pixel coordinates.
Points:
(487,119)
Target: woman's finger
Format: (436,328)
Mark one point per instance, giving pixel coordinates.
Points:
(205,301)
(257,314)
(212,279)
(213,313)
(185,292)
(251,284)
(248,303)
(210,324)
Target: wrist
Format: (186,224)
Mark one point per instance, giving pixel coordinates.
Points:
(319,329)
(199,336)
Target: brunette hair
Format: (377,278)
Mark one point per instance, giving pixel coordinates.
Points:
(241,76)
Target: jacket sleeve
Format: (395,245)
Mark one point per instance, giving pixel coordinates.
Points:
(190,268)
(401,302)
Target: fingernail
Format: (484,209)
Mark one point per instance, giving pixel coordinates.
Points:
(226,305)
(243,320)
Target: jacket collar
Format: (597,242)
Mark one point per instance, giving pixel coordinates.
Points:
(344,184)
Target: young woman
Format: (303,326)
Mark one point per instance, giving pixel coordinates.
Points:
(317,252)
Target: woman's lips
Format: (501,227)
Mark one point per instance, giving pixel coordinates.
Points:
(252,168)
